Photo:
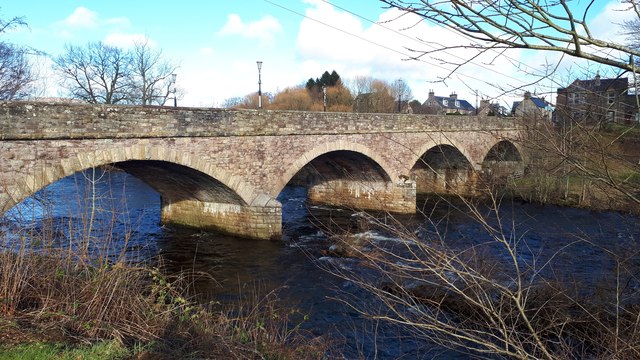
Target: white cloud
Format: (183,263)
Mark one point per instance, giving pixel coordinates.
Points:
(263,29)
(81,18)
(119,22)
(124,40)
(606,25)
(207,51)
(333,39)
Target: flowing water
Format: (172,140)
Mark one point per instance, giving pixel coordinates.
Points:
(292,268)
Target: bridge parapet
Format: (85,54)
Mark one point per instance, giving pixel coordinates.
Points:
(41,120)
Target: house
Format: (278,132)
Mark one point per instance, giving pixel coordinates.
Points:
(597,100)
(487,108)
(448,105)
(532,107)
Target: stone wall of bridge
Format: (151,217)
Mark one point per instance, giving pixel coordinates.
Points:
(253,154)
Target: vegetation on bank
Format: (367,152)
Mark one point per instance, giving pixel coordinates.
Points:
(57,303)
(588,165)
(505,294)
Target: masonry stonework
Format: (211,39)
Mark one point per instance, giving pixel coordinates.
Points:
(232,164)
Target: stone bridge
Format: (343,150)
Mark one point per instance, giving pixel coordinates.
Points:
(224,169)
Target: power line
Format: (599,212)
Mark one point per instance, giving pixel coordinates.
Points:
(515,61)
(421,42)
(380,45)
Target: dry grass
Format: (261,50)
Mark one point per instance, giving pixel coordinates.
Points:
(71,284)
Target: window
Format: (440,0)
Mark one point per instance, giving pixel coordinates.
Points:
(582,98)
(457,103)
(572,98)
(611,115)
(611,97)
(445,102)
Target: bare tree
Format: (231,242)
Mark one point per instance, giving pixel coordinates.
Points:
(360,85)
(547,25)
(151,75)
(16,75)
(96,73)
(99,73)
(631,28)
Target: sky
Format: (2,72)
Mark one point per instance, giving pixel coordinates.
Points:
(216,44)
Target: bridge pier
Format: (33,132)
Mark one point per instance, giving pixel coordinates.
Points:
(502,169)
(256,222)
(366,195)
(462,182)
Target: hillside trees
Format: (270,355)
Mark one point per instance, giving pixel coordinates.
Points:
(296,98)
(310,97)
(98,73)
(16,73)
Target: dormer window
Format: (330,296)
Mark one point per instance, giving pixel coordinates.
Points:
(445,102)
(457,103)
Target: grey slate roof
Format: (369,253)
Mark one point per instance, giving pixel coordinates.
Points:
(451,103)
(538,102)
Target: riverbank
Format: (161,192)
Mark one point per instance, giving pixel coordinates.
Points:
(573,192)
(53,305)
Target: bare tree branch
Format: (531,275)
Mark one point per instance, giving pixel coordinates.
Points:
(548,25)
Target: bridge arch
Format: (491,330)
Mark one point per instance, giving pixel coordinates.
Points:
(349,175)
(443,167)
(504,159)
(45,174)
(504,150)
(327,148)
(446,142)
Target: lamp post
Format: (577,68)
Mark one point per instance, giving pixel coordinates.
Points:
(324,97)
(259,85)
(399,95)
(173,91)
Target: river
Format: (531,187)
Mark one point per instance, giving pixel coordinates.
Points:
(292,268)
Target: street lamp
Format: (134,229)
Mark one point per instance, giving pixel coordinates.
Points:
(399,95)
(173,91)
(324,97)
(259,85)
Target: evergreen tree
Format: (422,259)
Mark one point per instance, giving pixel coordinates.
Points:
(334,78)
(310,84)
(325,80)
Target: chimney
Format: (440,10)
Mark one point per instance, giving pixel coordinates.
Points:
(431,94)
(527,95)
(597,78)
(454,96)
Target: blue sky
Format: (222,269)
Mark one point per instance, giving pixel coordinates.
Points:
(217,43)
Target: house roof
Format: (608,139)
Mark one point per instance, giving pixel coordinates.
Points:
(598,85)
(541,103)
(453,103)
(538,102)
